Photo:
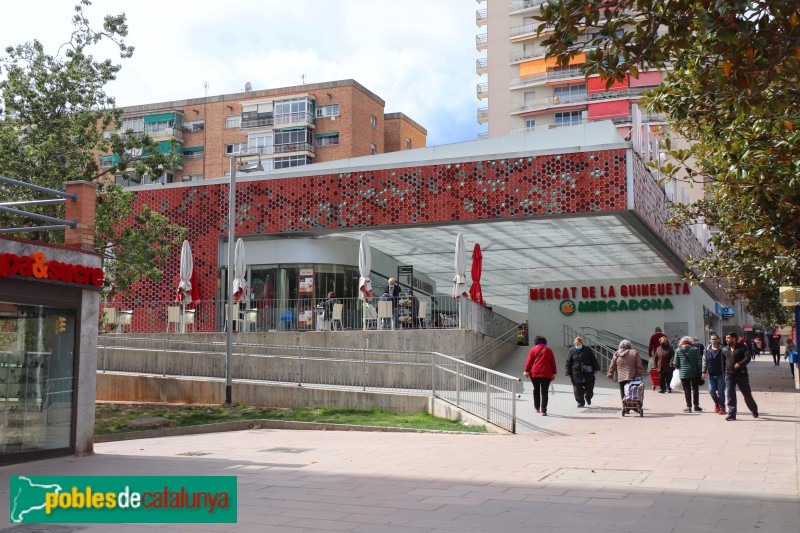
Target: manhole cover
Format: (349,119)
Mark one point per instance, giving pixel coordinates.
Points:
(34,528)
(194,454)
(596,475)
(288,450)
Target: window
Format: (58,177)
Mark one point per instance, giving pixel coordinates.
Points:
(195,125)
(158,127)
(373,149)
(233,149)
(292,137)
(193,154)
(233,121)
(295,110)
(373,121)
(106,163)
(408,143)
(291,161)
(331,110)
(564,94)
(192,177)
(568,118)
(328,139)
(133,123)
(529,97)
(530,124)
(259,144)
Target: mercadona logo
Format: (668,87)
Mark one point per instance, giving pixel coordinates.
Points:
(120,499)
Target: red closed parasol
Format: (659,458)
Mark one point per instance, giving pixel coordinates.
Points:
(475,292)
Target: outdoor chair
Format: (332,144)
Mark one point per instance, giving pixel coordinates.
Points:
(173,317)
(250,319)
(124,318)
(188,318)
(369,316)
(448,321)
(338,309)
(422,314)
(385,312)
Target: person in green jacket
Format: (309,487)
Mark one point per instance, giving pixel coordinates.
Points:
(688,359)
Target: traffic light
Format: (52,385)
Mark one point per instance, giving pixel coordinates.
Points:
(61,325)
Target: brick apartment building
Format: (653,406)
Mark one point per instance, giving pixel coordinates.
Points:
(283,127)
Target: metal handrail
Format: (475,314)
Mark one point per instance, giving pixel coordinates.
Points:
(602,334)
(604,353)
(487,348)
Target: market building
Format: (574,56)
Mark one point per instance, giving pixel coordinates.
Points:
(570,222)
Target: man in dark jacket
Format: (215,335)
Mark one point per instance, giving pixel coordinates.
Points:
(655,340)
(581,367)
(775,348)
(714,373)
(736,358)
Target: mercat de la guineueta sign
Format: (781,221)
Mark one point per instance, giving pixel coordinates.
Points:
(623,297)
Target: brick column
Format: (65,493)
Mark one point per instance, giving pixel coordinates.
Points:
(82,211)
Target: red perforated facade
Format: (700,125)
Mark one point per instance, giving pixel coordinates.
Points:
(521,187)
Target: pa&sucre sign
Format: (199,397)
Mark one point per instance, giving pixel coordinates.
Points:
(37,266)
(628,297)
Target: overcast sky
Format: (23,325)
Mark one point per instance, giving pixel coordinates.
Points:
(418,55)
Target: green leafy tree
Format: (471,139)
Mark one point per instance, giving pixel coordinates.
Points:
(732,89)
(53,115)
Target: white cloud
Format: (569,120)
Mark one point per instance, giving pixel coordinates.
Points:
(417,55)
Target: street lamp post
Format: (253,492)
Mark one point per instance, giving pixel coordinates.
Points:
(251,167)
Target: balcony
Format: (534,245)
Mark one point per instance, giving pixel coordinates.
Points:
(482,90)
(481,41)
(256,123)
(482,136)
(295,118)
(571,99)
(551,74)
(519,32)
(481,17)
(616,119)
(483,115)
(521,6)
(481,66)
(292,148)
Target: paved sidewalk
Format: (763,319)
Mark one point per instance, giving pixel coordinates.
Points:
(587,470)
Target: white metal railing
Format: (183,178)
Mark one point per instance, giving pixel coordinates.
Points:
(481,391)
(297,147)
(603,353)
(482,90)
(482,136)
(555,73)
(483,115)
(294,315)
(525,29)
(518,6)
(481,41)
(572,122)
(481,17)
(551,101)
(481,64)
(292,118)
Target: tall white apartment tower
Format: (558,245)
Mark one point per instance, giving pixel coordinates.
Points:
(523,91)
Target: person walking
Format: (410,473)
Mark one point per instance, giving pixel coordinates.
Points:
(628,365)
(655,342)
(688,360)
(736,358)
(714,373)
(541,368)
(662,361)
(581,367)
(791,354)
(775,348)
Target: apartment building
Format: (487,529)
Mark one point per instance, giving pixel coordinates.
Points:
(524,91)
(282,128)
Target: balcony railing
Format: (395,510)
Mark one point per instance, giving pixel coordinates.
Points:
(481,17)
(483,136)
(483,115)
(257,122)
(552,101)
(550,75)
(481,41)
(482,90)
(294,118)
(481,65)
(618,120)
(297,147)
(518,6)
(525,29)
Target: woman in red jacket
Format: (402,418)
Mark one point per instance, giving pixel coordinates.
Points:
(541,368)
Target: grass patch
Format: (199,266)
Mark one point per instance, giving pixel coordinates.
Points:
(120,418)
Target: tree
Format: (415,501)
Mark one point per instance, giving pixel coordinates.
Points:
(732,89)
(53,115)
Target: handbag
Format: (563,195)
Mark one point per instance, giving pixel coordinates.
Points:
(587,369)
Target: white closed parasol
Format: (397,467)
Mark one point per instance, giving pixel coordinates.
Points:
(364,269)
(239,272)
